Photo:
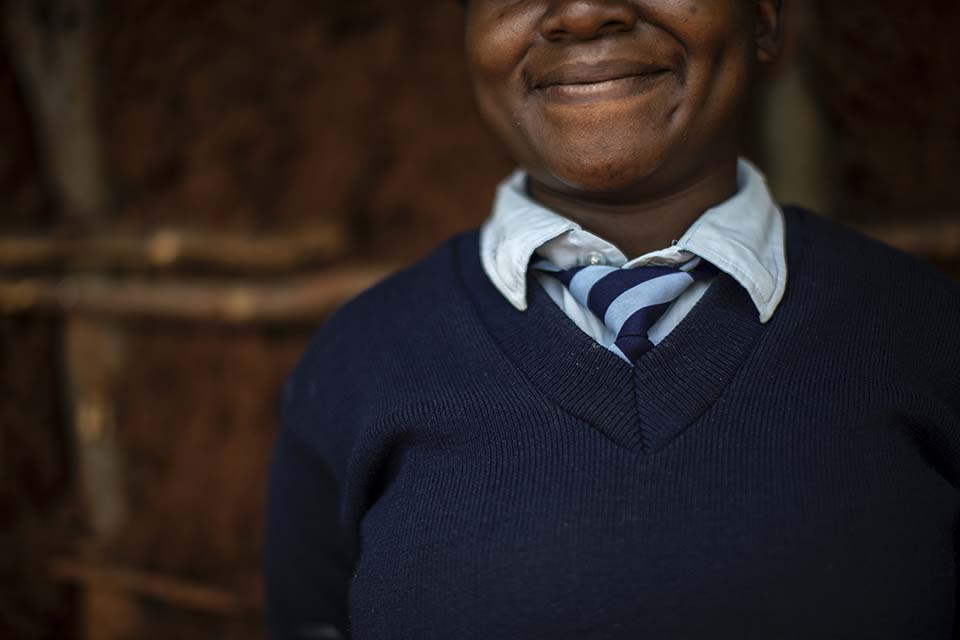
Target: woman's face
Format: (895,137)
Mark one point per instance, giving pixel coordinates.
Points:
(616,99)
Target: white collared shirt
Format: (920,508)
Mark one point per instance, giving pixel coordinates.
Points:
(743,236)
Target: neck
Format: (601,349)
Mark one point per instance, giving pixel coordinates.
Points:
(640,227)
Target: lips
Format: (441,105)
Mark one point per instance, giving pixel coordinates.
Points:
(572,74)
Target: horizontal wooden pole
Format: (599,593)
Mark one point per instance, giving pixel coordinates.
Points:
(168,589)
(292,298)
(302,298)
(171,248)
(933,240)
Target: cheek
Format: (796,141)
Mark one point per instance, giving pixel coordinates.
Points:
(731,75)
(719,56)
(496,40)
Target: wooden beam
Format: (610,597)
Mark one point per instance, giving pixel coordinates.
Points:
(933,240)
(110,614)
(168,589)
(172,248)
(169,249)
(305,298)
(93,360)
(51,44)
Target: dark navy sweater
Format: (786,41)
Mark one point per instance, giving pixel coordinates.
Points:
(451,467)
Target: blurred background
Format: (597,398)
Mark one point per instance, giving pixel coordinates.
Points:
(188,188)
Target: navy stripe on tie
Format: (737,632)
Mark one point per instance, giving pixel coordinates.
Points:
(629,301)
(611,286)
(632,347)
(643,319)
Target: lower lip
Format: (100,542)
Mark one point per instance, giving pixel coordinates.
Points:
(605,90)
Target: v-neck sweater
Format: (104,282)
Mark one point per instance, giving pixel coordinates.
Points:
(452,467)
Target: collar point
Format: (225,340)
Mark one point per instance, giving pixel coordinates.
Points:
(767,309)
(518,300)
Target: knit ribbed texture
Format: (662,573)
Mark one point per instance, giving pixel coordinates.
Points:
(498,474)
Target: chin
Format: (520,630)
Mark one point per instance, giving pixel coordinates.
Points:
(606,176)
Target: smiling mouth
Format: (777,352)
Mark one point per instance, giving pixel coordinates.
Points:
(603,89)
(573,84)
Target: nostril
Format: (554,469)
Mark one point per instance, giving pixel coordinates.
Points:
(613,26)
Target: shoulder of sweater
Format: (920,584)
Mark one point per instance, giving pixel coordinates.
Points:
(398,302)
(413,290)
(874,292)
(863,265)
(369,343)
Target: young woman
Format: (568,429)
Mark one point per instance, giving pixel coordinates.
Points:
(643,400)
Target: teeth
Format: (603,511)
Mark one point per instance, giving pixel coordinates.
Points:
(593,86)
(588,87)
(638,76)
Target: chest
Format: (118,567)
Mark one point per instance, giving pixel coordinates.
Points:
(778,523)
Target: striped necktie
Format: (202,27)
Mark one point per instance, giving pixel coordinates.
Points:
(629,301)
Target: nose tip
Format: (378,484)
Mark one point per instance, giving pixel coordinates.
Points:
(587,19)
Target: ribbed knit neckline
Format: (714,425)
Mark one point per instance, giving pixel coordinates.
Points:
(641,408)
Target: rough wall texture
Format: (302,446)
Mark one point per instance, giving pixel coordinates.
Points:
(36,501)
(197,438)
(23,203)
(886,72)
(262,116)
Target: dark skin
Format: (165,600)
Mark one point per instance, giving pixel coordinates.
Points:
(626,114)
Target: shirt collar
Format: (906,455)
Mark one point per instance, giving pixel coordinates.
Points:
(743,236)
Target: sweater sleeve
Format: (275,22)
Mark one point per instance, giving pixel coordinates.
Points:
(307,558)
(309,555)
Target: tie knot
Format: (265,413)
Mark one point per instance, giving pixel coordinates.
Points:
(629,301)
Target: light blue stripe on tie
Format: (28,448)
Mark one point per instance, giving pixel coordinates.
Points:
(583,281)
(646,294)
